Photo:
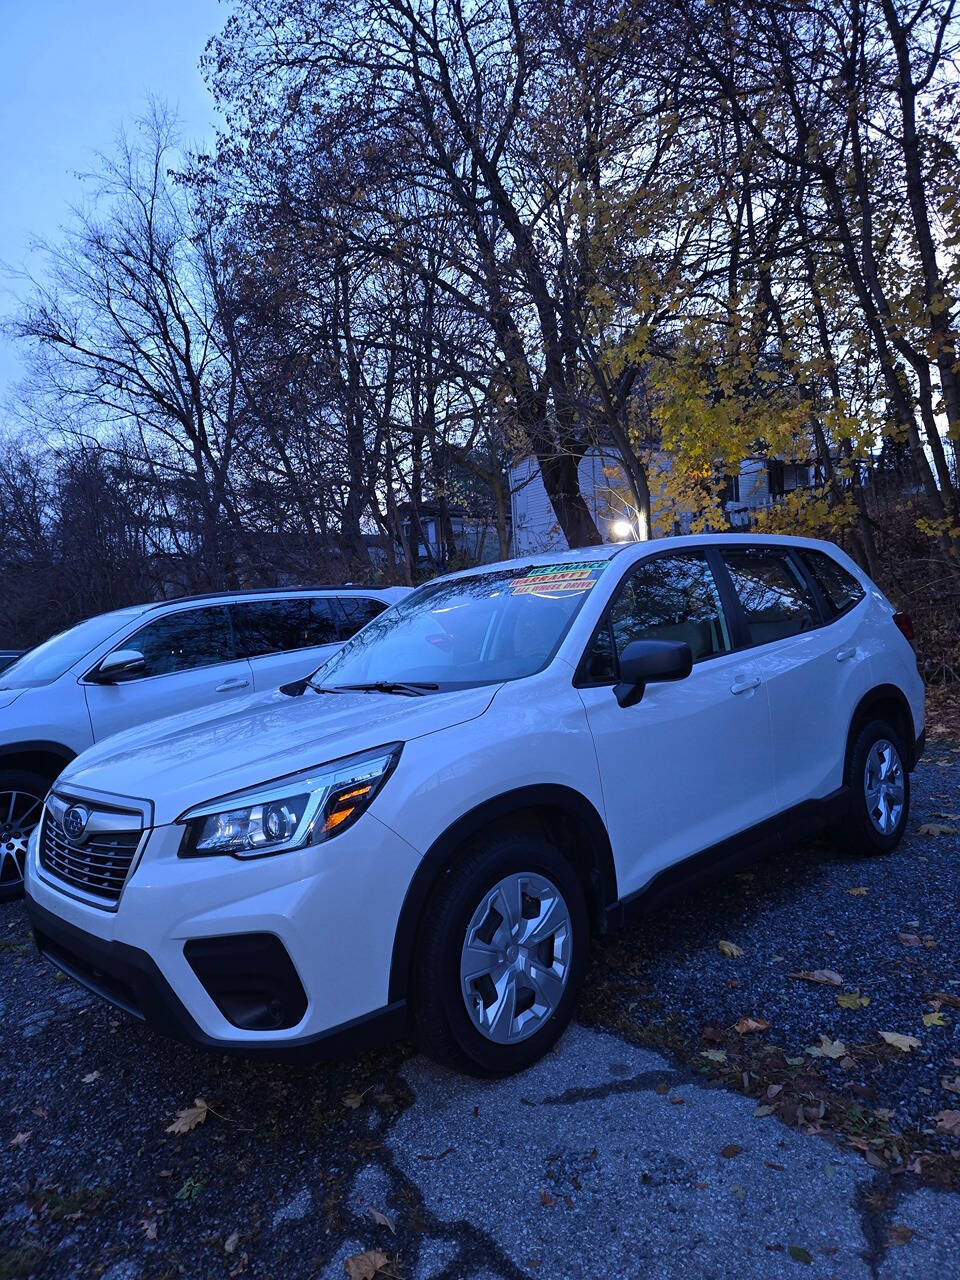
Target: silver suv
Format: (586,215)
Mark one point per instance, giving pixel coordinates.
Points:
(121,669)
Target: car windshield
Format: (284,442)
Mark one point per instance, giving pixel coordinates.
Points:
(51,659)
(477,629)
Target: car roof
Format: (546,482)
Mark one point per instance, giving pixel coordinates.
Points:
(253,593)
(607,550)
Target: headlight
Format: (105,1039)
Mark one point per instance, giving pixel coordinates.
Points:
(301,809)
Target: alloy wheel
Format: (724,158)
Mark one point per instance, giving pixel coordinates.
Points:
(19,814)
(516,956)
(883,786)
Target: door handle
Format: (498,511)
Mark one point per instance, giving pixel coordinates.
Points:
(744,684)
(848,651)
(236,683)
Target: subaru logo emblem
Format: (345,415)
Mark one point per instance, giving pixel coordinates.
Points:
(75,821)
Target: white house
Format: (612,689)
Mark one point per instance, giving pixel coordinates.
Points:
(759,483)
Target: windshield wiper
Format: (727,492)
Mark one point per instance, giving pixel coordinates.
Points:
(412,688)
(296,688)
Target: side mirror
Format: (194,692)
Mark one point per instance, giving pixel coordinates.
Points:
(122,664)
(647,660)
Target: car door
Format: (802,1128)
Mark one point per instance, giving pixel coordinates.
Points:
(689,765)
(286,638)
(806,668)
(189,660)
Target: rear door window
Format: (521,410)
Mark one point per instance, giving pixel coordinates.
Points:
(185,640)
(773,595)
(671,597)
(840,589)
(357,611)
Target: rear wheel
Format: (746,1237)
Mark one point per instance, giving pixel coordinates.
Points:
(21,803)
(502,950)
(879,790)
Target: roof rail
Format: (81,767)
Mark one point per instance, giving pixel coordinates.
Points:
(262,591)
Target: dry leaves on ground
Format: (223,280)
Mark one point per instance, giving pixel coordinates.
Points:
(852,1000)
(858,892)
(903,1043)
(827,1048)
(937,829)
(20,1139)
(746,1026)
(935,1019)
(729,949)
(366,1266)
(827,976)
(382,1220)
(189,1117)
(948,1122)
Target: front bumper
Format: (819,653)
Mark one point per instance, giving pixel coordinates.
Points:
(128,978)
(316,926)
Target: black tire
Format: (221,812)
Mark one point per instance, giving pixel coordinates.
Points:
(444,1026)
(859,833)
(25,784)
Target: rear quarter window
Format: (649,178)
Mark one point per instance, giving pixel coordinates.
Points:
(840,589)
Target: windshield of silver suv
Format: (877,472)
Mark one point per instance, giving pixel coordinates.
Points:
(481,628)
(48,661)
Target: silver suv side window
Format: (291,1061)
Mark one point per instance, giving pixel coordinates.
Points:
(282,626)
(773,595)
(184,640)
(671,597)
(357,612)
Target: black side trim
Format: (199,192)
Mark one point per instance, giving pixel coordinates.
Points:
(129,979)
(441,853)
(37,746)
(781,831)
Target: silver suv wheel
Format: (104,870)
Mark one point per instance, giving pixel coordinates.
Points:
(883,786)
(19,814)
(516,956)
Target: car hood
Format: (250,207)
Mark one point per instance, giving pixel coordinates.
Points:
(188,759)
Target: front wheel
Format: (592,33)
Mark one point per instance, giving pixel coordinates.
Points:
(879,791)
(21,803)
(502,950)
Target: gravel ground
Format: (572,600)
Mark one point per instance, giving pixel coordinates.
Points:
(614,1156)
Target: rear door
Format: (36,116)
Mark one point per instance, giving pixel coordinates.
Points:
(808,668)
(190,661)
(286,638)
(690,764)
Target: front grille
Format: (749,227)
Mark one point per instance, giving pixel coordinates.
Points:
(99,866)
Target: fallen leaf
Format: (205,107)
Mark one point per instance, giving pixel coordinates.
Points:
(729,949)
(858,892)
(764,1110)
(382,1220)
(365,1266)
(746,1026)
(231,1242)
(546,1199)
(730,1150)
(90,1077)
(935,1019)
(20,1139)
(909,939)
(827,1048)
(798,1253)
(189,1117)
(937,829)
(827,976)
(948,1122)
(352,1101)
(714,1055)
(676,1100)
(241,1266)
(899,1234)
(903,1043)
(852,1000)
(149,1228)
(951,1086)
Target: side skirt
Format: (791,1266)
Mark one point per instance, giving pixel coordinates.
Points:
(780,832)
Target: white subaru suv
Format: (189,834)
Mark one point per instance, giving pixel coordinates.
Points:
(425,833)
(124,668)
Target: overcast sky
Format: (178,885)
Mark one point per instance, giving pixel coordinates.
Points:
(71,73)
